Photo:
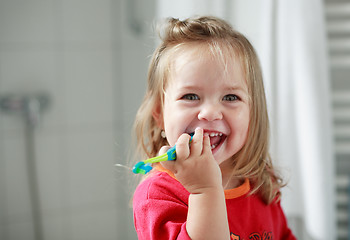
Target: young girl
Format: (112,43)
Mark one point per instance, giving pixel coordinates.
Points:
(205,79)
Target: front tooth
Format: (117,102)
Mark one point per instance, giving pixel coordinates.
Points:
(215,134)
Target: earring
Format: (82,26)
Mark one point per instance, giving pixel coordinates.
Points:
(162,134)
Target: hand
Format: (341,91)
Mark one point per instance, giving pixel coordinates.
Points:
(195,167)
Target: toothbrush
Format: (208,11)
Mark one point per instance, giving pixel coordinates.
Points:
(143,167)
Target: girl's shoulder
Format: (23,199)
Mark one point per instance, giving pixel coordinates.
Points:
(162,186)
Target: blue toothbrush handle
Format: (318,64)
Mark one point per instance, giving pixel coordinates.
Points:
(171,153)
(144,167)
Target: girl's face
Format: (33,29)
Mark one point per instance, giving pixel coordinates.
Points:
(201,93)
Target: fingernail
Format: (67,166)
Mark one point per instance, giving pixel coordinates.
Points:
(197,128)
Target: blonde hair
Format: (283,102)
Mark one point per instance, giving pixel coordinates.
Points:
(253,160)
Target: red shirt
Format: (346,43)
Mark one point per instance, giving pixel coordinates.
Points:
(160,207)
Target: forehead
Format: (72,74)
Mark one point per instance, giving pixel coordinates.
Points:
(223,57)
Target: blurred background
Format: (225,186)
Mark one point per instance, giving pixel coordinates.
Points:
(73,73)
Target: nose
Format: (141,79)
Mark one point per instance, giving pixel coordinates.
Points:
(210,112)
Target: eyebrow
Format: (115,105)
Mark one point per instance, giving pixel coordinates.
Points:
(188,87)
(228,88)
(239,88)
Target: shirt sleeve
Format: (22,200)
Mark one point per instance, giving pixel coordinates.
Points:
(286,233)
(159,212)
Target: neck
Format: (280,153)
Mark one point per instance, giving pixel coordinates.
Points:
(229,181)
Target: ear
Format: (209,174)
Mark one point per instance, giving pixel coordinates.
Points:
(157,114)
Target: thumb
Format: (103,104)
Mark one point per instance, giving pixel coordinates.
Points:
(166,164)
(163,150)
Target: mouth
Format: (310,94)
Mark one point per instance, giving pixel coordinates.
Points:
(216,138)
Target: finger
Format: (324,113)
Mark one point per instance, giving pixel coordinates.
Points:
(197,142)
(182,147)
(206,144)
(163,150)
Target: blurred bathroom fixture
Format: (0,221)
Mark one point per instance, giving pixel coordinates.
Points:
(133,18)
(29,107)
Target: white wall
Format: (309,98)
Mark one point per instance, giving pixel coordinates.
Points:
(244,15)
(82,53)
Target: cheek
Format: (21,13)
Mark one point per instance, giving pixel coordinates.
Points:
(245,128)
(171,123)
(240,125)
(177,122)
(244,119)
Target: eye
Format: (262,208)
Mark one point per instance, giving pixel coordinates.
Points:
(190,97)
(230,97)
